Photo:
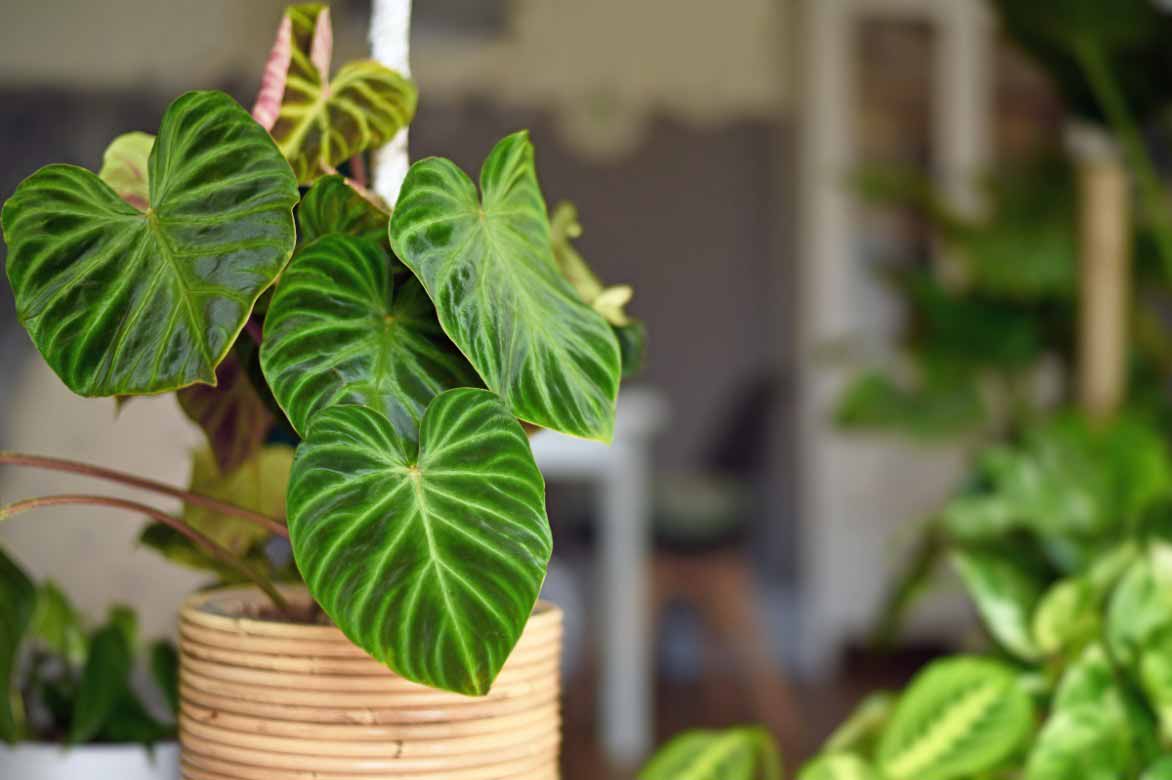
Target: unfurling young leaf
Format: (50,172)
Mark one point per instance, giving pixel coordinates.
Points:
(120,301)
(961,716)
(125,168)
(430,556)
(744,753)
(342,330)
(486,261)
(318,122)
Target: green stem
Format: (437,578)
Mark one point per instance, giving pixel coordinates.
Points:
(208,545)
(270,524)
(1111,99)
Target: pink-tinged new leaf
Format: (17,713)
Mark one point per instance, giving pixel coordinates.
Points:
(272,85)
(322,48)
(124,168)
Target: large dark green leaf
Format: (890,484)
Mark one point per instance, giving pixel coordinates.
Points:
(333,206)
(121,301)
(959,717)
(429,557)
(104,681)
(318,123)
(745,753)
(341,331)
(487,263)
(17,601)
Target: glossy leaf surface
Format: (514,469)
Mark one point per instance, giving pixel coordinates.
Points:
(429,557)
(959,717)
(486,261)
(320,122)
(733,754)
(124,168)
(333,206)
(119,301)
(340,330)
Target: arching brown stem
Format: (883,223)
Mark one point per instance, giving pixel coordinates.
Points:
(97,472)
(208,545)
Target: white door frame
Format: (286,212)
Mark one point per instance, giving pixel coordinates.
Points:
(961,112)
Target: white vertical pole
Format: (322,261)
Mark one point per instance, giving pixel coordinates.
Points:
(390,27)
(825,311)
(962,99)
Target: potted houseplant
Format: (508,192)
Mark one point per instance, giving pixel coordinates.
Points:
(74,709)
(406,349)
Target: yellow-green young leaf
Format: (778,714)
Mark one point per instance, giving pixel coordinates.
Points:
(340,330)
(1005,592)
(745,753)
(1094,732)
(234,417)
(123,302)
(610,302)
(860,730)
(1067,616)
(321,122)
(18,597)
(430,556)
(485,260)
(838,766)
(333,206)
(258,484)
(959,717)
(124,168)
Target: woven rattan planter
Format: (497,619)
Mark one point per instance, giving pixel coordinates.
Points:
(269,700)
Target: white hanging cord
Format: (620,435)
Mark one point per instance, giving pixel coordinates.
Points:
(390,27)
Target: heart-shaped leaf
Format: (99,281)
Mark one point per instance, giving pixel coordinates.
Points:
(125,166)
(18,596)
(333,206)
(488,265)
(430,558)
(960,717)
(747,753)
(320,122)
(233,415)
(258,484)
(340,331)
(119,301)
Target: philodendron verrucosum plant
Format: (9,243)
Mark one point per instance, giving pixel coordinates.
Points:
(406,352)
